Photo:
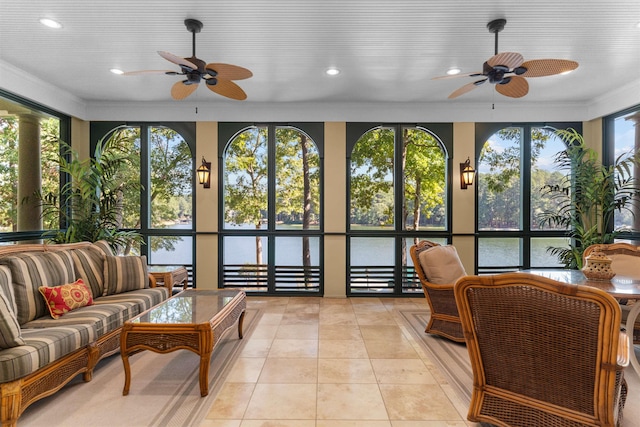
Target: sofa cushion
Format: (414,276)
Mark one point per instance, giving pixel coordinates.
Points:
(6,287)
(62,299)
(9,328)
(43,346)
(125,273)
(32,270)
(104,247)
(441,264)
(143,298)
(89,265)
(103,317)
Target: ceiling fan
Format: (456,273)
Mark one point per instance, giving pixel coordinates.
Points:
(507,70)
(217,77)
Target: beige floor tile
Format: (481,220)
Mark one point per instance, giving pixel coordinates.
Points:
(309,332)
(408,371)
(282,402)
(246,370)
(396,423)
(220,423)
(338,318)
(350,402)
(294,348)
(278,423)
(271,318)
(299,318)
(231,401)
(352,371)
(346,349)
(385,332)
(339,332)
(285,370)
(352,423)
(383,349)
(256,347)
(417,402)
(303,308)
(264,331)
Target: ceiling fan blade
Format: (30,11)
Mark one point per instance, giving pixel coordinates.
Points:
(548,67)
(517,87)
(477,73)
(144,72)
(227,88)
(177,60)
(466,88)
(228,71)
(180,90)
(508,59)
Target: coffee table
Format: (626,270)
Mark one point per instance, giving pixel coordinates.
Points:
(193,320)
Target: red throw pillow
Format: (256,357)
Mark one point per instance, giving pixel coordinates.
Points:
(64,298)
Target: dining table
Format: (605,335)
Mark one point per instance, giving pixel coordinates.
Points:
(622,288)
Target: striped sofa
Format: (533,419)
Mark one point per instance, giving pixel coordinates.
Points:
(40,354)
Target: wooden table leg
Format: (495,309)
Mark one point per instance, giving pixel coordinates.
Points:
(240,320)
(205,359)
(633,315)
(127,373)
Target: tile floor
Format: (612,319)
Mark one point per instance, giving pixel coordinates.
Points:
(320,362)
(323,362)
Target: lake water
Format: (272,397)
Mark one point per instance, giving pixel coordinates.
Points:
(493,252)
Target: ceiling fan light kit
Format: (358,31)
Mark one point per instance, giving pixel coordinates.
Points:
(217,76)
(508,70)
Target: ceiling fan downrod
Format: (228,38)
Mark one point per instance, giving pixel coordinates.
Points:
(495,27)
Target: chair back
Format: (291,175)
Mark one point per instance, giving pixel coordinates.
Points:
(540,349)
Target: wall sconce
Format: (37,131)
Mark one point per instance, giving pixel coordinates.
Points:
(204,173)
(467,173)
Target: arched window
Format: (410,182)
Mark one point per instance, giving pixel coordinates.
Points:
(398,194)
(515,168)
(271,219)
(158,200)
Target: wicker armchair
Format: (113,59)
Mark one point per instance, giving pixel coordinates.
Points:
(444,320)
(543,353)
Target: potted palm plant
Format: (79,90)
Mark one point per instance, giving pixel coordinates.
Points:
(92,199)
(588,197)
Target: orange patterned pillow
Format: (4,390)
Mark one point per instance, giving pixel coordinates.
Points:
(64,298)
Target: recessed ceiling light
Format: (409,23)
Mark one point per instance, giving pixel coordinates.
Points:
(116,71)
(332,71)
(50,23)
(564,73)
(453,71)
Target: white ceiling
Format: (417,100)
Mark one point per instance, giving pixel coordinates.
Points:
(387,51)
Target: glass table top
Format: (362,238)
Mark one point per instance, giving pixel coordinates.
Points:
(188,307)
(618,286)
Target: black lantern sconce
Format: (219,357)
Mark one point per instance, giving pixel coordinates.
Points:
(467,174)
(204,173)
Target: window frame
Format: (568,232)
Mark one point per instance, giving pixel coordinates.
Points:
(227,132)
(443,133)
(483,131)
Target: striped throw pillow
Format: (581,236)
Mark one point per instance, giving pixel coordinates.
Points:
(10,335)
(89,266)
(32,270)
(6,287)
(125,273)
(104,247)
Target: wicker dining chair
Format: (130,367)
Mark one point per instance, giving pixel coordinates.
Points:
(543,353)
(444,320)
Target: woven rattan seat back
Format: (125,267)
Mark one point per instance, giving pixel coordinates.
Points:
(542,352)
(444,319)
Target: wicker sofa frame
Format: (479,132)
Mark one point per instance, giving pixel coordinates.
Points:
(444,320)
(17,395)
(542,352)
